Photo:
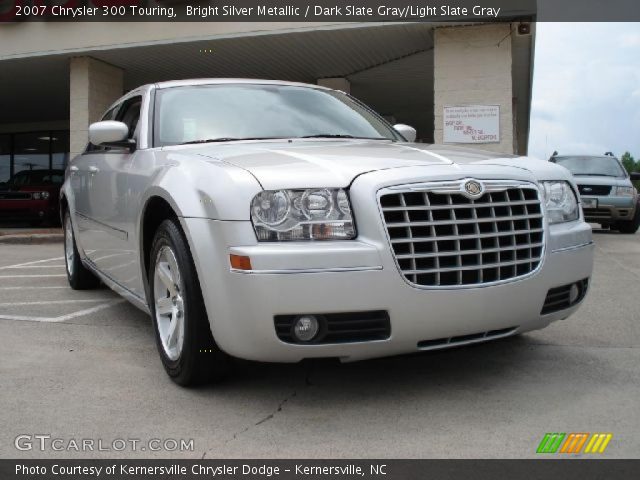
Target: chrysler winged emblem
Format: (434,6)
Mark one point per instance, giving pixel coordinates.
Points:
(473,188)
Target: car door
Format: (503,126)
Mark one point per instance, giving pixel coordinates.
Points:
(107,213)
(82,178)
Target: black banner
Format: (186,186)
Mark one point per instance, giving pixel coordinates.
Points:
(565,469)
(318,10)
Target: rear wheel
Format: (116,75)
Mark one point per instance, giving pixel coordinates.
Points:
(630,226)
(188,351)
(79,277)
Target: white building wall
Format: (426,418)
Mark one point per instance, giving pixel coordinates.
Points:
(472,66)
(94,86)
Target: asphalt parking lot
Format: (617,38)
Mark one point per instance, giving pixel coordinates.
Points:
(84,365)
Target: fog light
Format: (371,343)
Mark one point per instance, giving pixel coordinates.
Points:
(306,328)
(574,293)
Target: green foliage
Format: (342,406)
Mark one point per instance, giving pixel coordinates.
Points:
(631,165)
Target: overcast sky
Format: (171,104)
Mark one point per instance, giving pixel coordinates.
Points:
(586,89)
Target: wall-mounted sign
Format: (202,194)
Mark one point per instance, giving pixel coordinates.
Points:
(471,124)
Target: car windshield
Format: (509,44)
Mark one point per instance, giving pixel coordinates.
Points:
(37,177)
(599,166)
(227,112)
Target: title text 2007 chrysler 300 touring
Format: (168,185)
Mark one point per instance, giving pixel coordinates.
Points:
(279,221)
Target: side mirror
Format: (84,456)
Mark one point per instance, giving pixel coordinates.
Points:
(406,131)
(635,175)
(110,134)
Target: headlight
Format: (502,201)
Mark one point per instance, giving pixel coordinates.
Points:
(314,214)
(625,191)
(560,201)
(45,195)
(40,195)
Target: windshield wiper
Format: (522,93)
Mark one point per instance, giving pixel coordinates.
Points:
(339,135)
(225,139)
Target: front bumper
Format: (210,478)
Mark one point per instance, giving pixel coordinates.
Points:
(296,278)
(608,209)
(27,209)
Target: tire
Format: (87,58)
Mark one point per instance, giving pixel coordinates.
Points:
(630,226)
(188,351)
(79,277)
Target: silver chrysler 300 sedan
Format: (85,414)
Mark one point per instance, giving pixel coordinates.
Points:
(278,221)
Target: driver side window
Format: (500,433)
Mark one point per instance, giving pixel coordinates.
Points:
(130,115)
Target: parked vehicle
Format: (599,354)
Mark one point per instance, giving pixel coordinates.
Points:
(32,196)
(608,197)
(277,221)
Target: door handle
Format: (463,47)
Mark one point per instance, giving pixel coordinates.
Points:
(93,170)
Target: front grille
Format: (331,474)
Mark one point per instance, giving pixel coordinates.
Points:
(559,298)
(442,238)
(603,213)
(465,339)
(594,189)
(344,327)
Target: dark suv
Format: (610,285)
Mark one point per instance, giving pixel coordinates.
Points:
(32,196)
(607,194)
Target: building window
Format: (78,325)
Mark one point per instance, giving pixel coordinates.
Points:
(59,150)
(30,152)
(5,158)
(44,150)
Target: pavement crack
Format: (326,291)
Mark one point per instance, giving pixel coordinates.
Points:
(266,418)
(279,409)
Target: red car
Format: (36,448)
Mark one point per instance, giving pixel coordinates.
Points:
(32,196)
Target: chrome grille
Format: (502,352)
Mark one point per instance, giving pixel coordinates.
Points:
(442,238)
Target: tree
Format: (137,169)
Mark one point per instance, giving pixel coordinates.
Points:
(631,165)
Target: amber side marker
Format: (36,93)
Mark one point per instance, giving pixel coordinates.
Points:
(240,262)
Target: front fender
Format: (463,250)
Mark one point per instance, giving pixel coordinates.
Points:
(200,188)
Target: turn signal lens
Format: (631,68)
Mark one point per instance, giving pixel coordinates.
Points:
(240,262)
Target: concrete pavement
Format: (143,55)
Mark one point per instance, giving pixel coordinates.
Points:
(84,365)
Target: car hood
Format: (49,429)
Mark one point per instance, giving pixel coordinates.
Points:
(600,180)
(336,163)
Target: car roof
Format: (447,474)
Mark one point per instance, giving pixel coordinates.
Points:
(582,155)
(228,81)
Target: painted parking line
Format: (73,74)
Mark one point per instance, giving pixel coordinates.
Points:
(51,302)
(37,288)
(62,318)
(35,262)
(44,264)
(32,276)
(19,267)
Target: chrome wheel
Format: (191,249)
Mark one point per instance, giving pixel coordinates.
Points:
(68,244)
(168,301)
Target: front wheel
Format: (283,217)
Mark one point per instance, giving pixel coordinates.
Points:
(630,226)
(188,351)
(79,277)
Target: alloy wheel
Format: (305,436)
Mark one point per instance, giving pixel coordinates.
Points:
(168,301)
(68,244)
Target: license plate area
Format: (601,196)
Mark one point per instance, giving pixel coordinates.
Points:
(589,202)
